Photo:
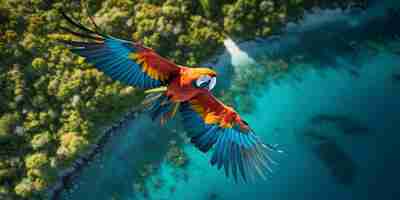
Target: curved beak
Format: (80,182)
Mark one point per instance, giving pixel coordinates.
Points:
(212,83)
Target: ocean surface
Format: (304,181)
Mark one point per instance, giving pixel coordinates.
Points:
(336,117)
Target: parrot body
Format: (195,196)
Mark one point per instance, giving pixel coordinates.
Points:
(181,88)
(173,88)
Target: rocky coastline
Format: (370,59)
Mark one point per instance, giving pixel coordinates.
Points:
(66,176)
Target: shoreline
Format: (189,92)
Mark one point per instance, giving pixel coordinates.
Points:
(67,176)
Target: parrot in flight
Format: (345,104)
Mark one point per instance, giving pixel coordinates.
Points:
(173,88)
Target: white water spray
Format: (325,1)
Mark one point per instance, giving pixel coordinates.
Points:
(238,57)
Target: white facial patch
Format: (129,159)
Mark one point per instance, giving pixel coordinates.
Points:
(203,81)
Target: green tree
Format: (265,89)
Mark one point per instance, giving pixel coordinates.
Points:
(41,140)
(36,161)
(71,145)
(8,123)
(24,188)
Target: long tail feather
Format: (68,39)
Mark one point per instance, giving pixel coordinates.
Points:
(77,24)
(96,28)
(80,34)
(91,34)
(82,44)
(94,24)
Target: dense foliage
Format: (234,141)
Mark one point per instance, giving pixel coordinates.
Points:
(53,104)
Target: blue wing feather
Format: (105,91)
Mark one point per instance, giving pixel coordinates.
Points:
(236,151)
(234,161)
(227,153)
(112,57)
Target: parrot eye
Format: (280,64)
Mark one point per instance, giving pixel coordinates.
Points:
(203,81)
(206,82)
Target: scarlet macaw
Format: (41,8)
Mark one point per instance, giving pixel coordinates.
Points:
(171,88)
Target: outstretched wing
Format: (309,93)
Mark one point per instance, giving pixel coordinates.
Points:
(125,61)
(237,148)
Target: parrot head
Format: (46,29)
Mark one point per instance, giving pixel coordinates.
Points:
(207,79)
(202,78)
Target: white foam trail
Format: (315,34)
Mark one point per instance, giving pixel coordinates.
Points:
(238,57)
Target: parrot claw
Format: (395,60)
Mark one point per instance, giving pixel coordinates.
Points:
(159,89)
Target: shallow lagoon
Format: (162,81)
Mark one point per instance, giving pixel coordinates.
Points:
(282,114)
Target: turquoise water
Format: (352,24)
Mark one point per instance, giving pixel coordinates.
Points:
(335,81)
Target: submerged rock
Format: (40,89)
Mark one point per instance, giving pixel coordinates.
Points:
(321,135)
(340,165)
(354,73)
(158,183)
(186,177)
(314,137)
(172,189)
(396,77)
(212,196)
(176,156)
(147,170)
(345,124)
(138,187)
